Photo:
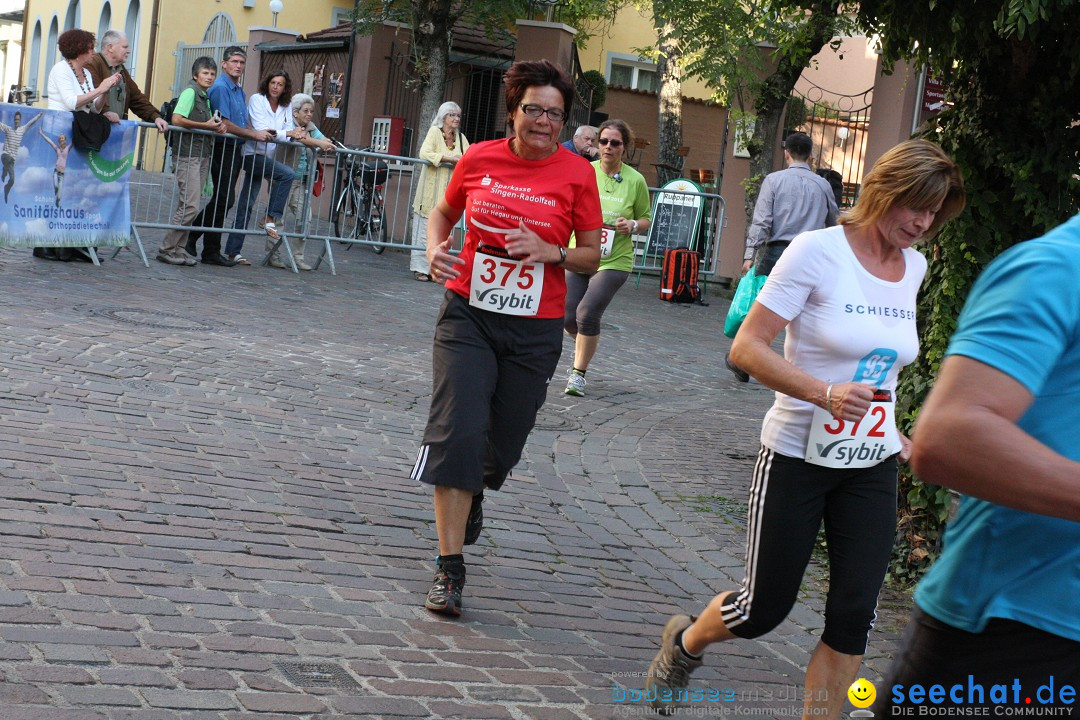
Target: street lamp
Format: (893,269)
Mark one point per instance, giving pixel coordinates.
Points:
(276,6)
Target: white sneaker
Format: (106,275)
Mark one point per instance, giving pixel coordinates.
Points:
(575,384)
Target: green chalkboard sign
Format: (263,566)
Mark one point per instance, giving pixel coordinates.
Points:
(676,217)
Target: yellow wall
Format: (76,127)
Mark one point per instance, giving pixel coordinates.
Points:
(179,21)
(631,29)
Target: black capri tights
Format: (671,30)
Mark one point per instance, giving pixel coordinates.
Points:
(789,498)
(587,297)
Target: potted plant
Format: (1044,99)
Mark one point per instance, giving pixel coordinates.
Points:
(596,81)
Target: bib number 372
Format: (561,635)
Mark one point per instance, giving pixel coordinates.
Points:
(505,285)
(863,443)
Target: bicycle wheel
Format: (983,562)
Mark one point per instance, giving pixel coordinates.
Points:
(347,214)
(376,227)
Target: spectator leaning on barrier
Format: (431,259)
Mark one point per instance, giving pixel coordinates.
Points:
(191,154)
(125,95)
(305,133)
(226,95)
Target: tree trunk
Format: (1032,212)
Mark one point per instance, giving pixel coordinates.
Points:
(433,22)
(771,97)
(669,99)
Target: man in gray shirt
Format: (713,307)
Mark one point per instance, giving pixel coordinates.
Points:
(791,201)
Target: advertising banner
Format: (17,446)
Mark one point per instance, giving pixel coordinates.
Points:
(55,195)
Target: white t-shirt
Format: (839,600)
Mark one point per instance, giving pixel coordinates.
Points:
(64,88)
(845,325)
(262,117)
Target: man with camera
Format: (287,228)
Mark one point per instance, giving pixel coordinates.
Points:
(126,95)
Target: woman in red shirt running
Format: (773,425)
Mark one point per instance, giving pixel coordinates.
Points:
(498,336)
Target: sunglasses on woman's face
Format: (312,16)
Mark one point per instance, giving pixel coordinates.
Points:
(612,143)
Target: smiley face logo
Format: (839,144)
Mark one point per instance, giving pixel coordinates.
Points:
(861,693)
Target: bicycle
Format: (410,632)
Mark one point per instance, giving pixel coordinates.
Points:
(358,208)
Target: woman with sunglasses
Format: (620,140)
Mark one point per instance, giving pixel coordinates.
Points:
(624,200)
(498,336)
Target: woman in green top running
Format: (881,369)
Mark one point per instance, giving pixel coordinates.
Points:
(624,200)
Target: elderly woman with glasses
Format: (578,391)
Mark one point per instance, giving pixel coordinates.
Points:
(442,148)
(498,336)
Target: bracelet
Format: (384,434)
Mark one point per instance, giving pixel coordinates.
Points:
(828,398)
(562,255)
(633,228)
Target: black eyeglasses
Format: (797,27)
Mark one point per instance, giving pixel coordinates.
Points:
(612,143)
(535,111)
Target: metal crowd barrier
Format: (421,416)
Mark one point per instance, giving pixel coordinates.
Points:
(366,200)
(713,220)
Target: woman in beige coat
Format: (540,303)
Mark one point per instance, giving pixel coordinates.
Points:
(442,148)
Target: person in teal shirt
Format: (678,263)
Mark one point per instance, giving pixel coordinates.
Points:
(1000,605)
(624,201)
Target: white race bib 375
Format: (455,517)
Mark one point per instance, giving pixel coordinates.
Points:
(505,285)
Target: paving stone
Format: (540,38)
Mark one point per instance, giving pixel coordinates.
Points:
(175,545)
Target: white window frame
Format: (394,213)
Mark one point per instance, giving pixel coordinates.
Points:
(105,20)
(131,29)
(35,57)
(51,51)
(339,15)
(636,63)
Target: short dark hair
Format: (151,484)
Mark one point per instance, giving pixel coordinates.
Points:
(203,63)
(233,50)
(798,145)
(622,127)
(286,94)
(525,74)
(73,43)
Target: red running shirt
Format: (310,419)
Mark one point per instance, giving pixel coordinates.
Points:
(555,197)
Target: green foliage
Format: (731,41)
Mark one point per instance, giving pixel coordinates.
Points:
(1015,141)
(598,83)
(795,113)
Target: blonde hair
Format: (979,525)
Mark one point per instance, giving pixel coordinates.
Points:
(916,174)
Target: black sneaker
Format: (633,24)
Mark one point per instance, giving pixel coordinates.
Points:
(444,597)
(475,523)
(740,374)
(218,259)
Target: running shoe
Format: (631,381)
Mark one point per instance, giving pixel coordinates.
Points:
(670,669)
(475,523)
(575,384)
(444,597)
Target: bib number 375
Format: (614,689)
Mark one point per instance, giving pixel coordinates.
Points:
(863,443)
(505,285)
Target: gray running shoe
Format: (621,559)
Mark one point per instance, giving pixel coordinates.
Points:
(669,673)
(575,384)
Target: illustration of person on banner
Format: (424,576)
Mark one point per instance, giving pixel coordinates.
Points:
(13,137)
(61,148)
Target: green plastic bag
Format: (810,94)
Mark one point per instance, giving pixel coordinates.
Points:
(208,186)
(745,294)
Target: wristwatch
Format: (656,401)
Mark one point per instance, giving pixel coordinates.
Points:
(562,255)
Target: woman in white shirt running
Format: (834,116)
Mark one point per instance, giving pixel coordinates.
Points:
(829,444)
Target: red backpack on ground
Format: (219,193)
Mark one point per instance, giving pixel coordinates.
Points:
(679,276)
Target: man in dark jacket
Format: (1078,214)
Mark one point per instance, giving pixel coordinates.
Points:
(115,51)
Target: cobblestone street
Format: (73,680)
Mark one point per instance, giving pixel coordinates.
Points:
(206,514)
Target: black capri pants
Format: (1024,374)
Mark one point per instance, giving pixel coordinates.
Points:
(491,372)
(789,499)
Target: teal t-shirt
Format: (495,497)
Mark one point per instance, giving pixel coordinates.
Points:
(628,199)
(1022,318)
